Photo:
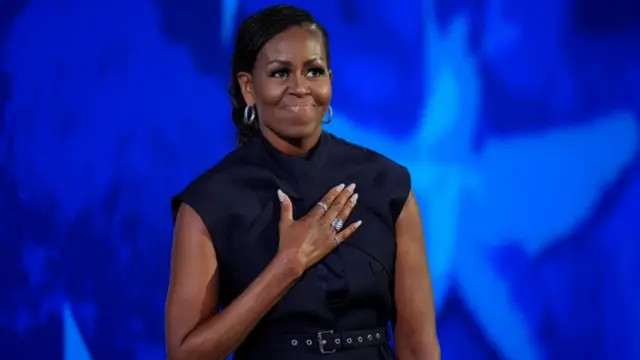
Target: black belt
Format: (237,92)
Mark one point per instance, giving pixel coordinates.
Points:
(330,341)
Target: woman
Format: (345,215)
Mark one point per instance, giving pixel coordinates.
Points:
(310,245)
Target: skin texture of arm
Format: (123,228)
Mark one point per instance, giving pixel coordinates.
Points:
(194,328)
(415,331)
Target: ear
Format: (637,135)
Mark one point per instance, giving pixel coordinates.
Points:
(246,86)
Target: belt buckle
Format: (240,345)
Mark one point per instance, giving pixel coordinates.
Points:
(322,342)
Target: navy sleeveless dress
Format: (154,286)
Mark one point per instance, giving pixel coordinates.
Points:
(340,308)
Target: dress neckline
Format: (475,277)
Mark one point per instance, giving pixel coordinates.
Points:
(315,156)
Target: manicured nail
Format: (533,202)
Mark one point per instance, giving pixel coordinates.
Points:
(358,223)
(354,198)
(351,187)
(340,187)
(281,195)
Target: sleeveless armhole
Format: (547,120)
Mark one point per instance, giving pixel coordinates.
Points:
(199,198)
(400,189)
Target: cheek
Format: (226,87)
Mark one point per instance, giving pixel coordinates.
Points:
(272,96)
(322,93)
(268,93)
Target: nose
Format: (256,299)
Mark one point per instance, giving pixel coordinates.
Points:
(299,85)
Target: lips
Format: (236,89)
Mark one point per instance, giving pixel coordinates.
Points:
(299,107)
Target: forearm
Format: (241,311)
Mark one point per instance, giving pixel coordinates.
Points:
(412,347)
(430,352)
(218,337)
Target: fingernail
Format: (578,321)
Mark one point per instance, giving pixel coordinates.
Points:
(340,187)
(358,223)
(281,195)
(354,198)
(351,187)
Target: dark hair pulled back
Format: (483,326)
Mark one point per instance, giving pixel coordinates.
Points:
(254,32)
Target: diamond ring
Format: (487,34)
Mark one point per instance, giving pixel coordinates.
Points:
(337,224)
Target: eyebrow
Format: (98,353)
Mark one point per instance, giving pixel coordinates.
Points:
(288,63)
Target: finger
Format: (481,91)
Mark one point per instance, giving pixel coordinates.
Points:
(344,234)
(338,204)
(347,208)
(286,207)
(328,199)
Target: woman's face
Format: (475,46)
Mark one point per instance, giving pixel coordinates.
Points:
(290,84)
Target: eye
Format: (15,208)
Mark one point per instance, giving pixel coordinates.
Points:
(281,73)
(317,71)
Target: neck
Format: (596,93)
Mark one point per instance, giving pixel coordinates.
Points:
(298,147)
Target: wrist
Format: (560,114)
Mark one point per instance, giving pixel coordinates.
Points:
(289,265)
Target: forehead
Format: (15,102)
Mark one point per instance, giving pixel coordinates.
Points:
(295,43)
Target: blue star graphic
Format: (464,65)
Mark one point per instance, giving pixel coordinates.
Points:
(530,190)
(74,346)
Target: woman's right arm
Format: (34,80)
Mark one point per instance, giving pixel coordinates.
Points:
(194,328)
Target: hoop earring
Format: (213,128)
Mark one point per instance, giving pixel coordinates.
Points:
(329,117)
(249,115)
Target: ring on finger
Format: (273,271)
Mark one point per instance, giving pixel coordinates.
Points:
(323,205)
(337,224)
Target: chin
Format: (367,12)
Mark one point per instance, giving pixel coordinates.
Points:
(300,130)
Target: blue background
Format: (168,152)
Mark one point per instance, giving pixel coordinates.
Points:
(518,121)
